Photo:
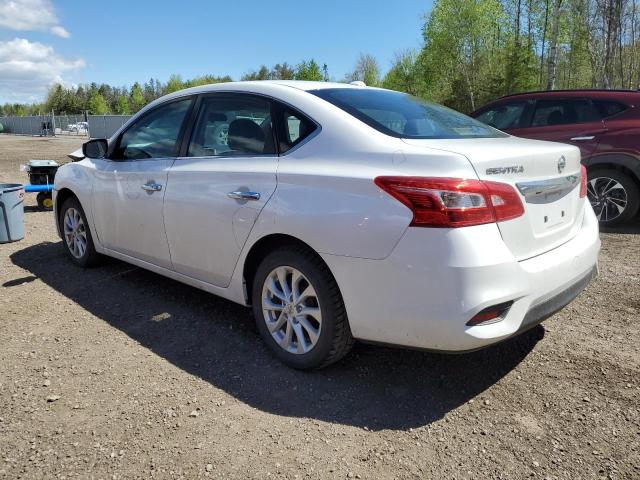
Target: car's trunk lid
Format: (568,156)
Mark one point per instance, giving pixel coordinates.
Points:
(547,178)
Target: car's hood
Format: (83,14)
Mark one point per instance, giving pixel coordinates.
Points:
(76,155)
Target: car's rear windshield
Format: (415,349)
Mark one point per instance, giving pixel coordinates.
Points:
(401,115)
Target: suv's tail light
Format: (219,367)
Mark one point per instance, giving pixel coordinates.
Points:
(583,181)
(453,202)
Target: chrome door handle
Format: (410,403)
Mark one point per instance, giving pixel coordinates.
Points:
(244,195)
(151,187)
(587,137)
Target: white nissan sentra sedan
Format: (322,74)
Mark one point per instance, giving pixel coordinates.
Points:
(338,213)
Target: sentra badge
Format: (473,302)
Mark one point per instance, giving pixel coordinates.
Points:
(503,170)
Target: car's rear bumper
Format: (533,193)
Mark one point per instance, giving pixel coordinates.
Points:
(436,280)
(539,312)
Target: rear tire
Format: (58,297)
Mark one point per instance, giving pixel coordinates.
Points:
(304,321)
(614,196)
(76,234)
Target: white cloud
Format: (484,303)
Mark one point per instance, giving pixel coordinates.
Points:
(31,15)
(60,31)
(28,69)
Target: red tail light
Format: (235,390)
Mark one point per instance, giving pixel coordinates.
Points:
(583,181)
(453,202)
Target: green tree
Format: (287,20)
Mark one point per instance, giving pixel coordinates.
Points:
(55,99)
(97,104)
(174,84)
(309,70)
(20,110)
(261,74)
(282,71)
(136,98)
(520,73)
(366,70)
(403,75)
(206,80)
(149,91)
(462,48)
(122,107)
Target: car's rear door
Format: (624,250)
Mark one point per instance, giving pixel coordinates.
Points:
(573,120)
(224,176)
(130,185)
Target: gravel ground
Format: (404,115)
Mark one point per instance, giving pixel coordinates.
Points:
(116,372)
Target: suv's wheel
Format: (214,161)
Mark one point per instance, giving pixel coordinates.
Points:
(76,235)
(299,310)
(613,195)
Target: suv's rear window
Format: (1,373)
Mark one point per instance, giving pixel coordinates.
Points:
(401,115)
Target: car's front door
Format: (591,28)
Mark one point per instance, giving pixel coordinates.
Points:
(130,185)
(220,183)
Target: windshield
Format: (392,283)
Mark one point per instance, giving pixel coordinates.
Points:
(401,115)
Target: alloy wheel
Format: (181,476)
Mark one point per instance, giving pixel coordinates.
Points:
(607,197)
(75,233)
(291,310)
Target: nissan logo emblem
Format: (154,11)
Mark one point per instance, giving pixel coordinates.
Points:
(562,162)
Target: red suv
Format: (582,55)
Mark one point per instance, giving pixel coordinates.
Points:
(604,124)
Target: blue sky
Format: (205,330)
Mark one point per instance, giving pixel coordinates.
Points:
(120,42)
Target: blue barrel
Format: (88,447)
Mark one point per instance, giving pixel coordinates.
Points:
(11,212)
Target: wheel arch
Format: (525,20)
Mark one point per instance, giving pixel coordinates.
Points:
(62,196)
(623,166)
(627,164)
(261,248)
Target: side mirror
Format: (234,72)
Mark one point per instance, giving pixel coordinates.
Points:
(96,148)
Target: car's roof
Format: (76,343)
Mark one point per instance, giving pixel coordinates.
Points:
(282,89)
(268,87)
(589,92)
(309,85)
(596,93)
(260,84)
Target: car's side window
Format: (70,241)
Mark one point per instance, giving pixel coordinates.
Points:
(504,116)
(609,108)
(295,127)
(232,125)
(155,135)
(563,112)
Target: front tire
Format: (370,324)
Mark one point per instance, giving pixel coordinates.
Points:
(299,311)
(613,195)
(76,235)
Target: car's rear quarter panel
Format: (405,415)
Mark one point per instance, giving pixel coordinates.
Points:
(326,195)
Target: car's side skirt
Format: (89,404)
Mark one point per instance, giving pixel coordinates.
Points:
(230,293)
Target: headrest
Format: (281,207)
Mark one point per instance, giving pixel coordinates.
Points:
(245,136)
